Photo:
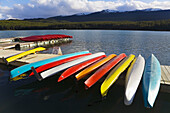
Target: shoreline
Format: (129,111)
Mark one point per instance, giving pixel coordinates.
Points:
(92,29)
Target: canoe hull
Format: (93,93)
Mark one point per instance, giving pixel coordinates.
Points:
(115,73)
(56,63)
(103,70)
(22,69)
(56,69)
(151,81)
(78,67)
(133,78)
(88,70)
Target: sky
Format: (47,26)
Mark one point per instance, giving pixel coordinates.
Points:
(20,9)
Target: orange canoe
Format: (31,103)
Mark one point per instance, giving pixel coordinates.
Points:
(78,67)
(103,70)
(86,71)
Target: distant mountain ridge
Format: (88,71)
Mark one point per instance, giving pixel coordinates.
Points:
(151,14)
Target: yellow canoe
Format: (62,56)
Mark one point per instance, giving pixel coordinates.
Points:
(20,55)
(114,74)
(86,71)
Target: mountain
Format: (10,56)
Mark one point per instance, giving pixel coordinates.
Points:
(113,15)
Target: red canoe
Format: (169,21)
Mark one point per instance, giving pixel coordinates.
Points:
(103,70)
(44,37)
(78,67)
(53,64)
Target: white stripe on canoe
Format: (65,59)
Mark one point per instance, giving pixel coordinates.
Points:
(56,69)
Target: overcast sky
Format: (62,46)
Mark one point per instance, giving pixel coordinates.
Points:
(20,9)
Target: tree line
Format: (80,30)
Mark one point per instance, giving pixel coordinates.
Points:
(162,25)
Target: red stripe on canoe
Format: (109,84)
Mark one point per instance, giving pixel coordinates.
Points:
(103,70)
(56,63)
(44,37)
(78,67)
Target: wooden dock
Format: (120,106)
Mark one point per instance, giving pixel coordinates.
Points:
(25,60)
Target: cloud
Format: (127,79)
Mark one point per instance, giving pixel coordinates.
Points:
(49,8)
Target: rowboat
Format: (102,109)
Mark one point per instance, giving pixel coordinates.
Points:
(22,69)
(20,55)
(133,78)
(78,67)
(59,68)
(103,70)
(88,70)
(151,81)
(115,73)
(44,37)
(56,63)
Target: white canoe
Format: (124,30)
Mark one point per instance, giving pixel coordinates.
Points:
(133,78)
(59,68)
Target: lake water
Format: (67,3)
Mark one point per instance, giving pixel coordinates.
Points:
(70,96)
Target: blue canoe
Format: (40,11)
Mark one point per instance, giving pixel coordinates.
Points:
(151,81)
(22,69)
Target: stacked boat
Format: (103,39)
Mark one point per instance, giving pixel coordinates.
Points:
(81,64)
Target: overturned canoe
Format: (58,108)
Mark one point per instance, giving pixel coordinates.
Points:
(78,67)
(103,70)
(25,53)
(44,37)
(151,81)
(59,68)
(114,74)
(88,70)
(133,78)
(56,63)
(22,69)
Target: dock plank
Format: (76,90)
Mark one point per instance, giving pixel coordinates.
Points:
(163,73)
(166,74)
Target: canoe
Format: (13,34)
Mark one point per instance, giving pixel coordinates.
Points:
(22,69)
(59,68)
(56,63)
(151,81)
(78,67)
(115,73)
(44,37)
(25,53)
(133,78)
(103,70)
(88,70)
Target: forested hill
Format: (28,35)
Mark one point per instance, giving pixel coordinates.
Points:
(107,15)
(106,19)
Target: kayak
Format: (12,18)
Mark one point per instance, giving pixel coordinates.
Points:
(115,73)
(88,70)
(22,69)
(103,70)
(151,81)
(78,67)
(20,55)
(44,37)
(133,78)
(56,63)
(59,68)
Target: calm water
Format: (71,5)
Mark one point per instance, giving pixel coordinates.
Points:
(69,96)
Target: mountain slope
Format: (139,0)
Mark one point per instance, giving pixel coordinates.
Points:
(107,15)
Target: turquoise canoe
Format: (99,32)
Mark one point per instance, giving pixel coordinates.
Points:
(151,81)
(22,69)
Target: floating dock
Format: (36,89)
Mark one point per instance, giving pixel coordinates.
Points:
(9,43)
